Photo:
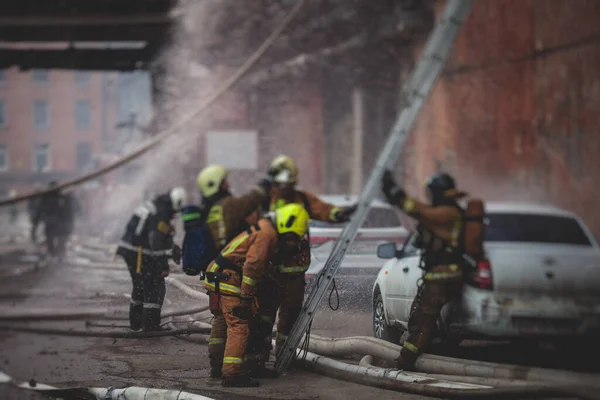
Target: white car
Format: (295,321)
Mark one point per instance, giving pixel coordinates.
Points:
(360,265)
(542,280)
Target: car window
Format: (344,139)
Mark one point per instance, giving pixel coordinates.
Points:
(378,217)
(531,228)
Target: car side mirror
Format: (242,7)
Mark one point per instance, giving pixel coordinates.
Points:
(387,251)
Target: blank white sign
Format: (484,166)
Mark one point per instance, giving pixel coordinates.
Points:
(232,149)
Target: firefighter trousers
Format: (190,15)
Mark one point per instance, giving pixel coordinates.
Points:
(148,293)
(441,284)
(237,338)
(216,342)
(261,324)
(291,297)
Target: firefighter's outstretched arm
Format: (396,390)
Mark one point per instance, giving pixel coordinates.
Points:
(323,211)
(429,216)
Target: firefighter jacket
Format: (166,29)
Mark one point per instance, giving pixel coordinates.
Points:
(149,229)
(317,210)
(440,231)
(227,215)
(242,263)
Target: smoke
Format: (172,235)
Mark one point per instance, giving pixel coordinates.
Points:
(185,82)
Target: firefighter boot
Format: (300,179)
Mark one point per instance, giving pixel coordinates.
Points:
(215,371)
(243,380)
(407,358)
(135,315)
(257,369)
(151,319)
(260,371)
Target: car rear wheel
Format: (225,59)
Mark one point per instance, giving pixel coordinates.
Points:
(381,329)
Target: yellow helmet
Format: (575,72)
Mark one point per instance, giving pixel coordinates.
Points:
(292,218)
(285,168)
(210,179)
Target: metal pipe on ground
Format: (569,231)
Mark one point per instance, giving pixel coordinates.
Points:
(364,345)
(394,380)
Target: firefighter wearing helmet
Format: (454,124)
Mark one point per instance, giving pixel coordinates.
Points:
(146,247)
(291,269)
(441,235)
(226,216)
(233,278)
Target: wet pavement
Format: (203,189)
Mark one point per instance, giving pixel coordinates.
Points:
(165,362)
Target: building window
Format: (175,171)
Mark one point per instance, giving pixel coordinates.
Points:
(84,155)
(83,114)
(3,157)
(40,76)
(83,78)
(41,114)
(2,114)
(41,158)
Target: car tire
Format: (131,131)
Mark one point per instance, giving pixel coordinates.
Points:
(381,329)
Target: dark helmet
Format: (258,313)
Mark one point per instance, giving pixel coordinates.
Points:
(441,189)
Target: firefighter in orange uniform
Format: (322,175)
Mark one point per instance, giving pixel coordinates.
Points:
(291,270)
(233,277)
(227,217)
(440,229)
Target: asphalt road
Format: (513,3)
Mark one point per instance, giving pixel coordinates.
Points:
(167,362)
(173,363)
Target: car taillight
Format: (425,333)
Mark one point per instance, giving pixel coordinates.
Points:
(482,276)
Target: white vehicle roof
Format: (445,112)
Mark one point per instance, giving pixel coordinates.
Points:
(342,200)
(526,208)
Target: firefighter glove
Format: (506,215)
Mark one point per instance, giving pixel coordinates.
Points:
(392,192)
(344,214)
(176,256)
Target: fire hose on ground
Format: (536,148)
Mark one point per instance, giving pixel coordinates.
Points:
(59,315)
(529,381)
(407,382)
(106,334)
(96,393)
(429,363)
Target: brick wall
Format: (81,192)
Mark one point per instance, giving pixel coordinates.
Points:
(515,113)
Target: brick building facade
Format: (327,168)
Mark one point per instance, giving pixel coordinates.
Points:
(52,124)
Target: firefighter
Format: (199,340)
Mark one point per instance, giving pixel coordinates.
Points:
(54,210)
(232,281)
(32,206)
(292,268)
(146,247)
(227,218)
(440,229)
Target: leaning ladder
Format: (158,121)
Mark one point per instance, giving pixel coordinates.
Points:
(416,92)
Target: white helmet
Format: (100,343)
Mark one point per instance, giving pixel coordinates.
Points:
(178,197)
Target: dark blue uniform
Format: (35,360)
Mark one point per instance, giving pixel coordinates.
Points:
(146,247)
